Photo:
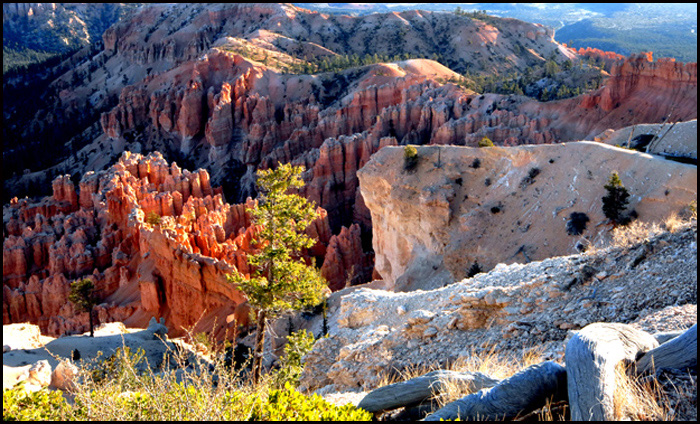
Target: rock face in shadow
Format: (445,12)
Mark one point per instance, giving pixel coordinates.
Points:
(345,263)
(155,239)
(503,205)
(674,139)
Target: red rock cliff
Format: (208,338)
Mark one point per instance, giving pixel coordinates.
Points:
(156,241)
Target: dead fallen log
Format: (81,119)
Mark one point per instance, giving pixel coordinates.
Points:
(679,352)
(523,392)
(419,389)
(592,356)
(664,336)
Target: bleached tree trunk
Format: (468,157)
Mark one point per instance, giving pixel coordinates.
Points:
(523,392)
(679,352)
(422,388)
(592,356)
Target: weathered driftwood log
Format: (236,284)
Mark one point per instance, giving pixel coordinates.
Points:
(421,388)
(664,336)
(416,412)
(679,352)
(591,358)
(525,391)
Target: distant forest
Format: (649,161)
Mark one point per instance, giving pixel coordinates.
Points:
(672,42)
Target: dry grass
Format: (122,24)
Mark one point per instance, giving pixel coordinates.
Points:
(691,211)
(407,373)
(636,397)
(183,385)
(490,362)
(635,233)
(683,398)
(186,387)
(639,232)
(673,223)
(497,364)
(639,399)
(557,411)
(487,360)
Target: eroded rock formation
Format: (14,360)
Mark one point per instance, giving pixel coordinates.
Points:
(195,91)
(646,84)
(156,241)
(239,111)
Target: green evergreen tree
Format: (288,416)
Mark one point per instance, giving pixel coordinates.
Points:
(615,202)
(82,294)
(474,269)
(281,280)
(551,68)
(410,158)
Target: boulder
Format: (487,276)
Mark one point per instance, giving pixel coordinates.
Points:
(39,374)
(63,376)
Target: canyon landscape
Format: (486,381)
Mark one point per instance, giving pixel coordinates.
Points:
(456,162)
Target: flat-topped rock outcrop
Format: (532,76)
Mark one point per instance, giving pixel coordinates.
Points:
(463,205)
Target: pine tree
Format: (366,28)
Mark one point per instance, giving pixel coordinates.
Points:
(82,294)
(615,202)
(551,68)
(474,269)
(281,280)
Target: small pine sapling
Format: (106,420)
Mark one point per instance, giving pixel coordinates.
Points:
(82,294)
(616,200)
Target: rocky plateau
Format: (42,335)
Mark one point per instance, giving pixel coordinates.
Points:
(462,205)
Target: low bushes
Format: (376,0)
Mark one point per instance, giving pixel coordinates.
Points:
(182,387)
(44,405)
(485,142)
(410,158)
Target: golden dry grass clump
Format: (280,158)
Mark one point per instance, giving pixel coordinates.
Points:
(184,386)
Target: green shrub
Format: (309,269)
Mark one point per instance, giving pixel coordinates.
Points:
(474,269)
(410,158)
(289,405)
(576,224)
(120,392)
(43,405)
(206,339)
(153,219)
(298,345)
(118,366)
(485,142)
